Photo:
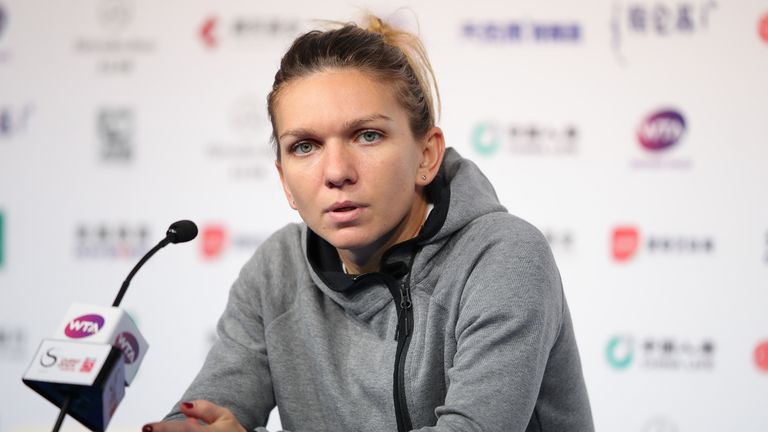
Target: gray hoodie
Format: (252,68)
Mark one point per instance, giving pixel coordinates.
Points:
(464,329)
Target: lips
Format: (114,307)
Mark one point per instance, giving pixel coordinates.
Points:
(345,211)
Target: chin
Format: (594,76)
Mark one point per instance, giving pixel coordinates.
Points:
(348,238)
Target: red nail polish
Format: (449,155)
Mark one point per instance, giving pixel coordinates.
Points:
(146,428)
(187,405)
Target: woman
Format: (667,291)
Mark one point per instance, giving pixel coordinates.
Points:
(410,298)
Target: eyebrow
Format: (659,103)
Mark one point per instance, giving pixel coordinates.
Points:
(352,124)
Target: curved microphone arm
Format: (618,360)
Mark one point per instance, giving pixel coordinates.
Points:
(164,242)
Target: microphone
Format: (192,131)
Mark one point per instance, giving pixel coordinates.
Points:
(95,353)
(181,231)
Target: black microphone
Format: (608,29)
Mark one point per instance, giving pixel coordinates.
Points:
(179,232)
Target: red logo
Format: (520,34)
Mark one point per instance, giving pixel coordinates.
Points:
(762,28)
(761,356)
(625,243)
(214,241)
(88,364)
(206,32)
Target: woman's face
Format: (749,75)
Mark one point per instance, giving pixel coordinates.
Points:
(349,163)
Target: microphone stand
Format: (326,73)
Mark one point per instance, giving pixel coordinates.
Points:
(63,412)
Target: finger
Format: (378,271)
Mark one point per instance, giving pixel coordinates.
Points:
(173,426)
(206,411)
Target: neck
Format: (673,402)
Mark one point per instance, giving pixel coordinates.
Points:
(368,259)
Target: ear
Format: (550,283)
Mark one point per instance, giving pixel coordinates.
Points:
(286,189)
(431,156)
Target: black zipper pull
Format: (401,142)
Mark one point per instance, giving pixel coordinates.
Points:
(405,297)
(405,304)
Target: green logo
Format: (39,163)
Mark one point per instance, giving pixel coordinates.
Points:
(485,139)
(619,352)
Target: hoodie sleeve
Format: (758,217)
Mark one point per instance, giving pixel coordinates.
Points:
(236,372)
(513,341)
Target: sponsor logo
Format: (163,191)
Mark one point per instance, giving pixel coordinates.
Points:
(13,343)
(627,242)
(2,239)
(653,353)
(214,31)
(658,134)
(521,31)
(111,241)
(620,352)
(243,155)
(88,364)
(216,240)
(488,138)
(640,23)
(128,345)
(660,424)
(661,130)
(207,32)
(761,356)
(3,20)
(765,255)
(762,28)
(14,120)
(115,128)
(117,50)
(4,55)
(559,240)
(48,359)
(84,326)
(115,15)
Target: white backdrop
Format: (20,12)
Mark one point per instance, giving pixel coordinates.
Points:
(633,133)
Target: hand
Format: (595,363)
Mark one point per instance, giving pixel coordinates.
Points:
(201,416)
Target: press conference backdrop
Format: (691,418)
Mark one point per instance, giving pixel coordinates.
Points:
(634,134)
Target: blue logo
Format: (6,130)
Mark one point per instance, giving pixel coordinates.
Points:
(522,31)
(14,120)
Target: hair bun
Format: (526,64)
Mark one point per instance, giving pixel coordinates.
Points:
(376,25)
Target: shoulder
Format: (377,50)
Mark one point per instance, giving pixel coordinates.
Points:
(508,262)
(508,239)
(270,279)
(279,253)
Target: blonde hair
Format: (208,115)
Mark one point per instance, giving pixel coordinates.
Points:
(388,54)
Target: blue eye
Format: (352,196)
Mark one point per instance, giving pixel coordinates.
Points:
(303,147)
(370,136)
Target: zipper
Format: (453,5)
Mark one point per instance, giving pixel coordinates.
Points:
(403,336)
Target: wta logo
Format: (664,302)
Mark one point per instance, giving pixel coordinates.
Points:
(661,130)
(84,326)
(128,344)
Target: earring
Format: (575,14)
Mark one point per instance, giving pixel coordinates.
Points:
(423,177)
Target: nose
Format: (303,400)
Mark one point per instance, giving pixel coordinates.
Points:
(339,165)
